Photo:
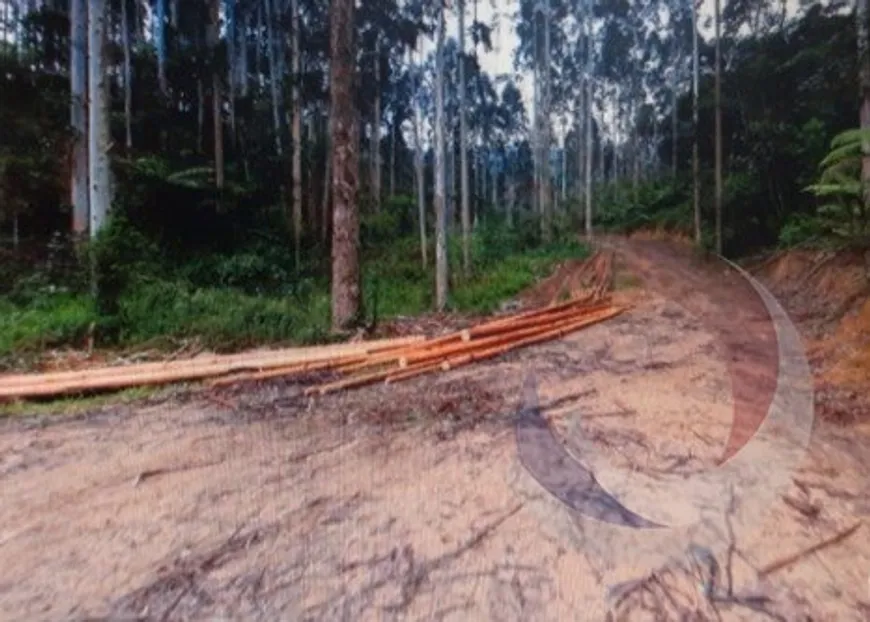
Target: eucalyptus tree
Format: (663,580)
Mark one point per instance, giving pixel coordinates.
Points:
(420,173)
(78,115)
(463,146)
(296,124)
(99,135)
(441,265)
(717,19)
(696,160)
(345,144)
(862,15)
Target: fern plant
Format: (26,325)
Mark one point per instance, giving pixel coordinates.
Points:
(843,213)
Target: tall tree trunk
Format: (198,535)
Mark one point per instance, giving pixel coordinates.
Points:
(635,149)
(463,147)
(441,268)
(128,87)
(863,15)
(213,35)
(393,157)
(232,64)
(78,115)
(297,133)
(536,127)
(511,198)
(580,124)
(483,172)
(99,138)
(495,206)
(160,43)
(258,47)
(564,171)
(546,194)
(274,74)
(588,131)
(327,182)
(696,160)
(674,128)
(243,53)
(346,293)
(718,138)
(420,173)
(200,114)
(376,133)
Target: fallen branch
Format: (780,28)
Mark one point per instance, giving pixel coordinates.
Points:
(795,557)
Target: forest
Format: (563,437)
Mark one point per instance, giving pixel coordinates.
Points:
(247,171)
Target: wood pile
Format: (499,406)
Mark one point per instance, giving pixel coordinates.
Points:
(480,343)
(125,376)
(388,360)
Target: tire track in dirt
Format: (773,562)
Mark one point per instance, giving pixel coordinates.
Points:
(733,311)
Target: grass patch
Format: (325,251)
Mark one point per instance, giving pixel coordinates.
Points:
(221,318)
(163,309)
(505,278)
(72,406)
(46,322)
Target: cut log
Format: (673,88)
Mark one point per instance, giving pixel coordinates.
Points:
(495,340)
(249,360)
(545,318)
(490,350)
(38,385)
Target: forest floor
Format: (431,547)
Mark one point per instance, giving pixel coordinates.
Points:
(407,502)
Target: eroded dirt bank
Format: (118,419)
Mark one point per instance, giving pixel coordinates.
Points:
(407,503)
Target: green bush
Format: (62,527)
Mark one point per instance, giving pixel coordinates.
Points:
(220,317)
(49,321)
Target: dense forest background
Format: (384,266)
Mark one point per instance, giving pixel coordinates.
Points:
(166,167)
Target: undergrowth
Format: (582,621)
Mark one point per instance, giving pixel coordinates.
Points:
(252,296)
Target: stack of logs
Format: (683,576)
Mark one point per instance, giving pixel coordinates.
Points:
(479,343)
(388,360)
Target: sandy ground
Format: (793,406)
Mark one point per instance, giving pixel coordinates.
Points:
(408,502)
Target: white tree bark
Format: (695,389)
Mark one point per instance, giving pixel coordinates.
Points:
(463,146)
(243,54)
(587,178)
(274,83)
(696,162)
(128,85)
(79,190)
(376,132)
(862,14)
(546,194)
(441,267)
(99,138)
(297,132)
(421,178)
(718,136)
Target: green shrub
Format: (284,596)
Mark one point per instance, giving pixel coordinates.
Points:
(220,317)
(49,321)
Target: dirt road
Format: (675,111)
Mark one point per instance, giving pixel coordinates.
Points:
(408,503)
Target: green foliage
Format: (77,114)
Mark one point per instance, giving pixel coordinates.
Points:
(843,214)
(122,257)
(47,321)
(223,318)
(659,205)
(801,229)
(507,277)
